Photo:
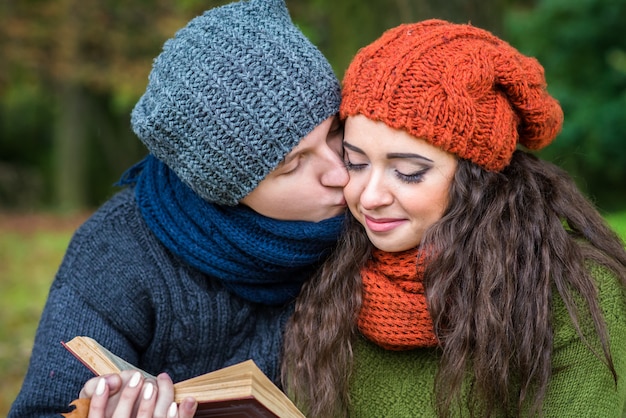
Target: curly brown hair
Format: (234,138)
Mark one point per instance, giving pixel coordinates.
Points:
(508,243)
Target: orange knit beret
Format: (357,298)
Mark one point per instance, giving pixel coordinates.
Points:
(457,86)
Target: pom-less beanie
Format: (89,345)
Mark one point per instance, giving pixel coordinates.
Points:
(231,94)
(456,86)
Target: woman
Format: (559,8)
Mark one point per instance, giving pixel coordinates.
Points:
(474,279)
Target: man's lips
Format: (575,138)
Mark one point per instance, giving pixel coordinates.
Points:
(382,224)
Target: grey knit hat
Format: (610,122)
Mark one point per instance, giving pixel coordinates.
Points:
(231,94)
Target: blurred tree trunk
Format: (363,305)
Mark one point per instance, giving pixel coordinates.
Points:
(69,130)
(69,148)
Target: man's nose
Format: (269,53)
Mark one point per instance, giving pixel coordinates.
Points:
(335,173)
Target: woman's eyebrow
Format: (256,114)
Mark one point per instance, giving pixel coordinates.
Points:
(393,155)
(352,147)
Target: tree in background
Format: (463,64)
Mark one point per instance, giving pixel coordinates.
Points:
(72,70)
(583,48)
(341,27)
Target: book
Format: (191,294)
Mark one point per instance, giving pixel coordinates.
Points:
(238,391)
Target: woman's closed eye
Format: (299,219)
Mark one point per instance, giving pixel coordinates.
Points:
(353,167)
(414,177)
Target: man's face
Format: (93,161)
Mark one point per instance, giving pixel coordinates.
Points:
(308,184)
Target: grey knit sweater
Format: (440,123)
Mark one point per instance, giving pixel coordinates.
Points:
(119,285)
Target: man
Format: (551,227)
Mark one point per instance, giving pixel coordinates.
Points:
(194,266)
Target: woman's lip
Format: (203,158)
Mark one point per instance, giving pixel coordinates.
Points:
(382,224)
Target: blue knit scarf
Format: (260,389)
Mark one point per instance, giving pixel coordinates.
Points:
(262,260)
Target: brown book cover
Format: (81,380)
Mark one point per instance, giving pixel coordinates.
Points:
(238,391)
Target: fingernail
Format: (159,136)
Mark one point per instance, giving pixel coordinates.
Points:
(134,381)
(100,386)
(164,376)
(173,410)
(148,391)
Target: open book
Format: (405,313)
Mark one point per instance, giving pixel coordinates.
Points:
(241,390)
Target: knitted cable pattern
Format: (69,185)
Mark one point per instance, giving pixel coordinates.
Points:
(458,87)
(394,313)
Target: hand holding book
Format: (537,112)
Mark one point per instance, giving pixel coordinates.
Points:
(128,394)
(241,390)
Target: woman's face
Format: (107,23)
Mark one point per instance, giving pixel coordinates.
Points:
(398,184)
(307,185)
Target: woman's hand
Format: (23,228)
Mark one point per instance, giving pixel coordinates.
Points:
(129,394)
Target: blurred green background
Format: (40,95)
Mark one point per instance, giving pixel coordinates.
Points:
(71,71)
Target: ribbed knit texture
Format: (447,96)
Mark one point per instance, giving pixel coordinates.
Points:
(394,384)
(456,86)
(394,313)
(121,286)
(231,94)
(261,259)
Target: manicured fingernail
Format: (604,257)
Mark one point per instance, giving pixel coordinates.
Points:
(173,410)
(134,381)
(100,386)
(148,391)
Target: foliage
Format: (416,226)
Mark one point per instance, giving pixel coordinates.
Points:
(72,70)
(340,28)
(27,265)
(583,51)
(617,221)
(70,73)
(105,46)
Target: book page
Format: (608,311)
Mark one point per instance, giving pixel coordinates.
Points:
(98,359)
(240,390)
(239,381)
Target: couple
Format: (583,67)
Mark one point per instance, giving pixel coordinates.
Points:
(468,277)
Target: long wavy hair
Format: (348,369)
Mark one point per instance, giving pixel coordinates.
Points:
(507,244)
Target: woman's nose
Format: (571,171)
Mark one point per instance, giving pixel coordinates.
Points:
(374,192)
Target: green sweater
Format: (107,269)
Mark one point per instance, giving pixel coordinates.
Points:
(400,384)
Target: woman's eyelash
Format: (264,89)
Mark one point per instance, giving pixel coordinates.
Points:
(353,167)
(415,177)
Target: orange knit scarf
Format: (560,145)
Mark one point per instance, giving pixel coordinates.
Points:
(394,313)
